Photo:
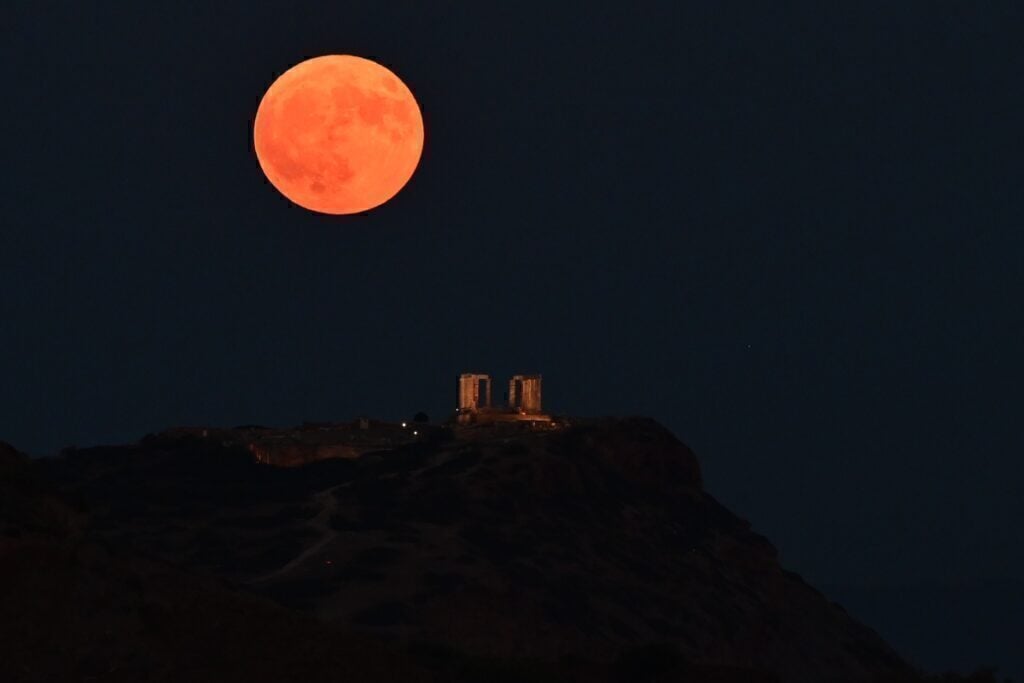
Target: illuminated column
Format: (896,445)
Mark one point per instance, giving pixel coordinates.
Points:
(469,391)
(531,394)
(467,387)
(524,393)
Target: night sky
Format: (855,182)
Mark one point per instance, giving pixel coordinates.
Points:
(793,237)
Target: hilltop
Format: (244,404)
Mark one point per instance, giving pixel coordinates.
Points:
(584,552)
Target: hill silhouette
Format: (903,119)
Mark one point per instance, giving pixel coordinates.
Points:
(586,553)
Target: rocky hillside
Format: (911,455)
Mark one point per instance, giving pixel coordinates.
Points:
(588,543)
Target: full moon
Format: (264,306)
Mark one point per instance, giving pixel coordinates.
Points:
(338,134)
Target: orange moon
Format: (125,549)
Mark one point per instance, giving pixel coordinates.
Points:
(338,134)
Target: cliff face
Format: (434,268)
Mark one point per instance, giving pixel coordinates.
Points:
(590,542)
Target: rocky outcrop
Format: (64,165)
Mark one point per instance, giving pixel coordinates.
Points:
(638,449)
(588,542)
(293,454)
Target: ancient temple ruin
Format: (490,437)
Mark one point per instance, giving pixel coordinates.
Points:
(474,392)
(524,393)
(523,405)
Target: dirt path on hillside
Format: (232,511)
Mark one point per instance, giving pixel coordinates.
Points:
(322,523)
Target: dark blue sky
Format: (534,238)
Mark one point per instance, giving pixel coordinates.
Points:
(793,236)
